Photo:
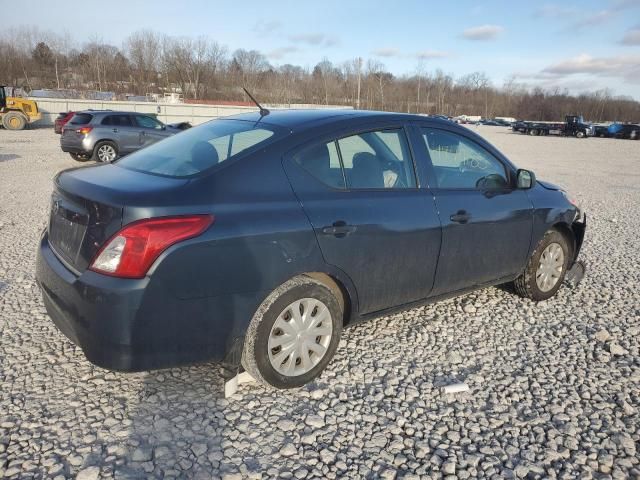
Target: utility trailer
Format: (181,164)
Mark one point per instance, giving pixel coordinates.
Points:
(573,126)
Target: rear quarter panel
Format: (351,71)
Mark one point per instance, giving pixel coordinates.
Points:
(260,238)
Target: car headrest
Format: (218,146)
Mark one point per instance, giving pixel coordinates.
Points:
(203,155)
(317,160)
(367,171)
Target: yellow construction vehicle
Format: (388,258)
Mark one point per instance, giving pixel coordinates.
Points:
(16,112)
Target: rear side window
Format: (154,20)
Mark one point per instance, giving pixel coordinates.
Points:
(117,120)
(379,159)
(322,161)
(81,119)
(371,160)
(200,148)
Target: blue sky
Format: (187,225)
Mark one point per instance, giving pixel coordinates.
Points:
(586,45)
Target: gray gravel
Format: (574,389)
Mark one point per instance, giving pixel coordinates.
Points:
(554,386)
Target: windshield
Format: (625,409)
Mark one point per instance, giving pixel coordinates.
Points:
(200,148)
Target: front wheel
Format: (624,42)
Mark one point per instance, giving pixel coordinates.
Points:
(293,335)
(79,157)
(546,268)
(580,135)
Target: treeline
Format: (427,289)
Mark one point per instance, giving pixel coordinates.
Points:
(202,69)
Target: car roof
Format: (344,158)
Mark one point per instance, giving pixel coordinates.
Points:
(116,112)
(306,118)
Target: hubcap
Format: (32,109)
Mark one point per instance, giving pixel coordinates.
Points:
(550,267)
(300,337)
(106,153)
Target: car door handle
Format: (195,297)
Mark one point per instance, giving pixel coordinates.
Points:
(461,216)
(115,130)
(339,229)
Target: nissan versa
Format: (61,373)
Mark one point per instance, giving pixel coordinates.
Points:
(253,240)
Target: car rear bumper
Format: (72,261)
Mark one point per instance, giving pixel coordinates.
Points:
(75,145)
(125,325)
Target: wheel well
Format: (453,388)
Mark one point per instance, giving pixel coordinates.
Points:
(338,290)
(568,234)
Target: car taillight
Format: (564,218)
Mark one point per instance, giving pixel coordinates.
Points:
(131,251)
(84,130)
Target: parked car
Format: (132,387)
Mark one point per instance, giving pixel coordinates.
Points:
(61,121)
(105,135)
(627,131)
(253,240)
(491,123)
(601,131)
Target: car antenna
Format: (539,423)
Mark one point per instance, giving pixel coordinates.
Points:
(263,111)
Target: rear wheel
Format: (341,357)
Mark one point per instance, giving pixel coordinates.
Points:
(105,152)
(294,334)
(546,268)
(533,132)
(14,121)
(580,135)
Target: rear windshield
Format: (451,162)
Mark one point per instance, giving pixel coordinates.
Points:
(200,148)
(81,119)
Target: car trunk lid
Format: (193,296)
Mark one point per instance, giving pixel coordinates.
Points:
(87,207)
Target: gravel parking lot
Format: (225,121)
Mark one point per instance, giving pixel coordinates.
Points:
(554,386)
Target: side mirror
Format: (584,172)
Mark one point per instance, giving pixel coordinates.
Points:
(525,179)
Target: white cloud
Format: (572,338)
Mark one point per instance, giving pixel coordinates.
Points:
(632,37)
(314,39)
(626,67)
(429,54)
(592,20)
(482,32)
(386,52)
(551,10)
(264,28)
(281,52)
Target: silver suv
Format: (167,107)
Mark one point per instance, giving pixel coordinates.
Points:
(104,135)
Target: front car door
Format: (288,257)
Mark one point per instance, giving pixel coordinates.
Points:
(120,127)
(486,221)
(150,130)
(370,217)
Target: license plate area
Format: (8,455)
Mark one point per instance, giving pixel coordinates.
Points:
(67,227)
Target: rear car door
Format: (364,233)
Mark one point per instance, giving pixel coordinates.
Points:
(486,223)
(369,215)
(121,129)
(149,129)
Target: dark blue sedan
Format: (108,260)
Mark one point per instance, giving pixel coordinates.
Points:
(253,240)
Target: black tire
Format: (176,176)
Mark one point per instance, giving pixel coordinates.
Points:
(105,143)
(14,121)
(526,285)
(533,132)
(255,355)
(580,135)
(79,157)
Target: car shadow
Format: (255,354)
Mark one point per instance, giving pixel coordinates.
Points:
(177,427)
(4,157)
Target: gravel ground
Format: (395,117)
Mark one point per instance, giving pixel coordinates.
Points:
(554,386)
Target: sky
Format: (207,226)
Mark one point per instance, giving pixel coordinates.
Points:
(582,46)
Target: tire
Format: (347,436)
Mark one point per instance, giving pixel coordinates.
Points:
(527,285)
(258,359)
(14,121)
(533,132)
(580,135)
(78,157)
(100,152)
